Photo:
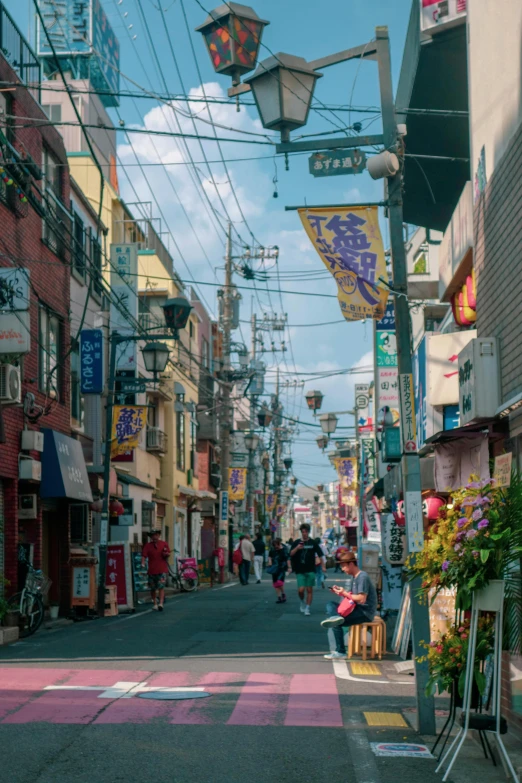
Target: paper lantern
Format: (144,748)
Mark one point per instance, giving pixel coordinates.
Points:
(431,507)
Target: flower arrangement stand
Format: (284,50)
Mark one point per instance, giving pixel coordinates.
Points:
(489,599)
(452,717)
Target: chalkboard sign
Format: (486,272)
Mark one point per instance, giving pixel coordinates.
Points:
(139,574)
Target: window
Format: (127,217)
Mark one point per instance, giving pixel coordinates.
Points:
(205,354)
(50,371)
(79,245)
(77,400)
(53,111)
(193,436)
(180,440)
(52,171)
(152,413)
(96,265)
(191,329)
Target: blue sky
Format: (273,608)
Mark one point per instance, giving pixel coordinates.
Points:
(300,27)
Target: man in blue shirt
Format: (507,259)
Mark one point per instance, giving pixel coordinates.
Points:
(363,593)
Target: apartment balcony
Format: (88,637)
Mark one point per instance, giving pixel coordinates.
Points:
(156,440)
(18,53)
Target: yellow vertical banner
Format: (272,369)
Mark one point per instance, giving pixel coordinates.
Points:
(346,468)
(127,423)
(237,478)
(271,500)
(349,242)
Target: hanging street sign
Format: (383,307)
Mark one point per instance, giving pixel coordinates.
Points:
(133,386)
(330,164)
(91,361)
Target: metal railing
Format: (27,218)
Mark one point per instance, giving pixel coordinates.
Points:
(18,53)
(156,439)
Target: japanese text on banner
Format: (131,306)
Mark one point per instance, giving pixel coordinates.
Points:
(346,468)
(271,500)
(349,243)
(237,483)
(128,421)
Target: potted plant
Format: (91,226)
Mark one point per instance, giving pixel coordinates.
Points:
(447,657)
(476,541)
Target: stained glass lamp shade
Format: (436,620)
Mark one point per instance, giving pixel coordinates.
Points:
(232,33)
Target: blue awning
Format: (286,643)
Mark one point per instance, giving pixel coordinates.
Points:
(64,473)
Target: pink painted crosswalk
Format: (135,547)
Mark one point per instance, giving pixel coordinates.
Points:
(64,696)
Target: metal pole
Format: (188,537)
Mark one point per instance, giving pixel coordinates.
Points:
(410,462)
(251,453)
(225,422)
(104,526)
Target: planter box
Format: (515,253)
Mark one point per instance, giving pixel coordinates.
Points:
(490,598)
(8,635)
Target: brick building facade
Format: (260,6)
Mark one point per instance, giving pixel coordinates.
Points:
(34,240)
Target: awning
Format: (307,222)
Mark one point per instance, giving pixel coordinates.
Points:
(127,478)
(468,431)
(196,493)
(64,473)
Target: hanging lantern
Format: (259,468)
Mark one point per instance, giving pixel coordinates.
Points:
(320,487)
(293,481)
(96,506)
(431,507)
(232,33)
(288,462)
(264,416)
(116,508)
(322,441)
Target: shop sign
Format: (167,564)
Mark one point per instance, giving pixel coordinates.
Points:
(478,380)
(414,521)
(372,517)
(394,551)
(362,397)
(387,322)
(14,289)
(456,242)
(331,164)
(119,572)
(237,483)
(91,361)
(392,451)
(124,286)
(440,14)
(81,579)
(15,334)
(408,425)
(502,470)
(386,349)
(442,356)
(388,392)
(223,506)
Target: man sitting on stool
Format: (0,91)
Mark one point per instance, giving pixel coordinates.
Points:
(365,596)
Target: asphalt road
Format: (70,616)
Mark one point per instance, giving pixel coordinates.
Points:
(70,709)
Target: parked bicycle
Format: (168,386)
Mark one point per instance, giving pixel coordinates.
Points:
(27,605)
(185,578)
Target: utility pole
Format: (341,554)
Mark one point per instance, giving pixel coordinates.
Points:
(277,432)
(412,486)
(252,417)
(225,419)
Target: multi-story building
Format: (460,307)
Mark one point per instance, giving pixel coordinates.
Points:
(42,468)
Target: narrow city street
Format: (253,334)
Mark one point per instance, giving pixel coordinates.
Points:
(70,707)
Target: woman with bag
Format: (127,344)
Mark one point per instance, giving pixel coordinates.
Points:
(277,567)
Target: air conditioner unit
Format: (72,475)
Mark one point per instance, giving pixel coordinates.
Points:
(32,440)
(29,469)
(10,384)
(81,523)
(27,507)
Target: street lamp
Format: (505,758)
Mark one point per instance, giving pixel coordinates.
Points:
(322,441)
(264,416)
(283,87)
(251,441)
(314,400)
(328,423)
(288,462)
(320,487)
(155,357)
(232,33)
(177,311)
(265,461)
(293,481)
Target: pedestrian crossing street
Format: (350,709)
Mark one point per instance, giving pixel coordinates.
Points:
(65,696)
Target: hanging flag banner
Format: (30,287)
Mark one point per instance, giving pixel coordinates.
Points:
(237,478)
(127,423)
(346,468)
(349,243)
(271,500)
(280,510)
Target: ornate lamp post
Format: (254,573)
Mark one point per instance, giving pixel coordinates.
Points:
(314,400)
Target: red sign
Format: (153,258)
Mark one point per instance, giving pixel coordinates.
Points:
(115,574)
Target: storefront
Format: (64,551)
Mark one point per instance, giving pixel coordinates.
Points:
(65,482)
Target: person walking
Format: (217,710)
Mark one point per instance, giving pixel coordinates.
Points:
(278,565)
(363,593)
(248,552)
(156,553)
(304,557)
(259,556)
(320,570)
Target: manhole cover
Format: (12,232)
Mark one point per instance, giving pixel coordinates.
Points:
(173,695)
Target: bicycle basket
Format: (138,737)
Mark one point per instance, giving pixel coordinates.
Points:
(37,582)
